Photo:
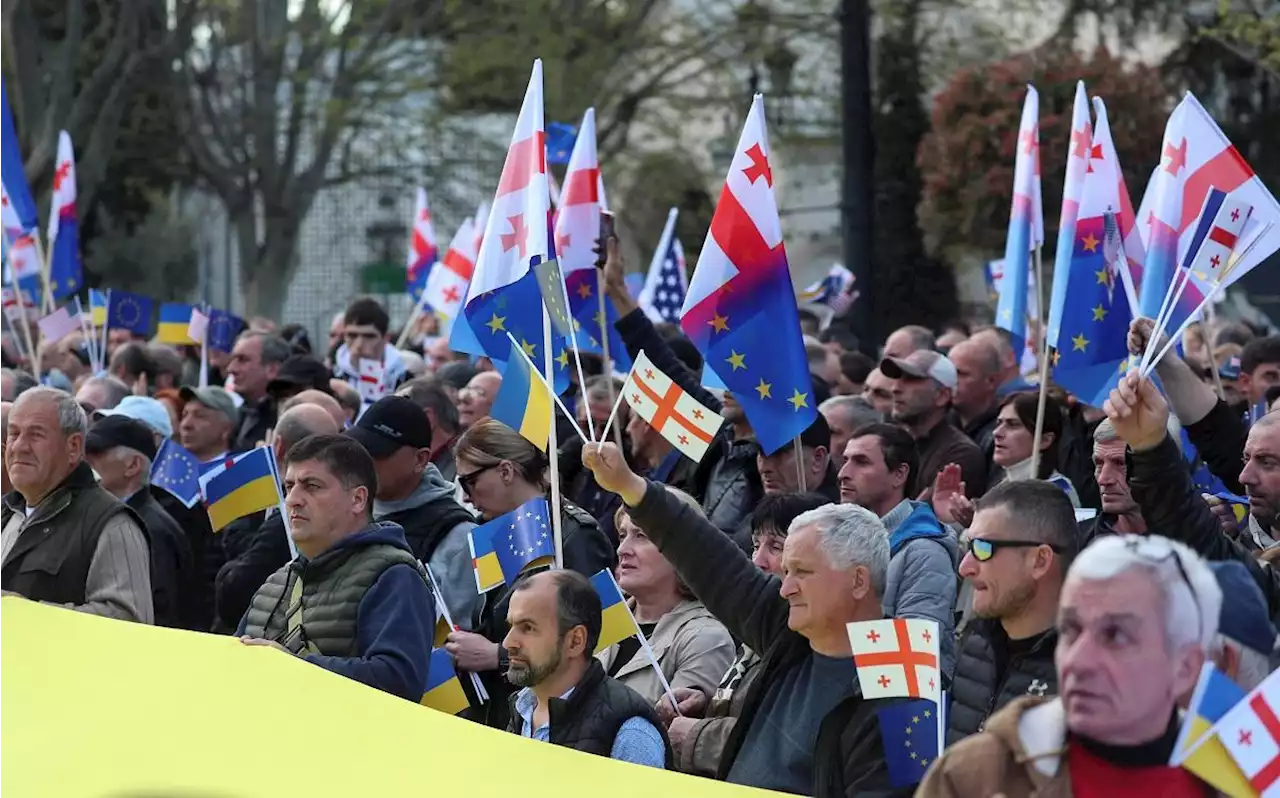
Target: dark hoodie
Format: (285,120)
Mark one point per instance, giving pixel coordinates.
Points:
(395,623)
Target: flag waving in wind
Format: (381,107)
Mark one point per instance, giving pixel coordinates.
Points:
(14,179)
(1078,155)
(666,285)
(1092,312)
(504,297)
(1026,224)
(447,285)
(422,248)
(741,309)
(65,274)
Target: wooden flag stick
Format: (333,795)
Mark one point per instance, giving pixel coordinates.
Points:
(577,358)
(800,480)
(46,302)
(1044,369)
(608,359)
(553,453)
(614,412)
(284,513)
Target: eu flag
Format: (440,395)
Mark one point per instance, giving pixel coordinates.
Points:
(520,540)
(132,312)
(177,471)
(560,140)
(909,730)
(223,330)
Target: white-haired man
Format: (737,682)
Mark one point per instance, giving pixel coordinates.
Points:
(1137,616)
(66,540)
(804,726)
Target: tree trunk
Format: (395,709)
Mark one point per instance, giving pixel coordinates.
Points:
(265,271)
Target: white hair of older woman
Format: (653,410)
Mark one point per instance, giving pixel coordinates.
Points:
(850,535)
(1253,666)
(1188,585)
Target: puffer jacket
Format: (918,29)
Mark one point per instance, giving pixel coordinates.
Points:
(975,695)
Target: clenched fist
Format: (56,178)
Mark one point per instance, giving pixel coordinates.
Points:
(612,472)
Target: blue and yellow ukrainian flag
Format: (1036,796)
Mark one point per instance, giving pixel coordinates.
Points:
(484,559)
(175,318)
(616,623)
(1214,696)
(444,691)
(511,544)
(523,402)
(246,487)
(98,307)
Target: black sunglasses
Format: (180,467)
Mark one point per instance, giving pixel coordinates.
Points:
(983,549)
(468,481)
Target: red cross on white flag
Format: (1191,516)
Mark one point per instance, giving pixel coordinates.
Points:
(897,657)
(371,387)
(1250,732)
(684,421)
(447,285)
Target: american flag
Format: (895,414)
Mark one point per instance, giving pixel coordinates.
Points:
(667,283)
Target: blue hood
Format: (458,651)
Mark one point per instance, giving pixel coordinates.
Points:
(377,532)
(919,523)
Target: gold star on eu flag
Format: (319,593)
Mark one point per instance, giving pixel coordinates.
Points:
(563,358)
(1079,343)
(798,400)
(765,389)
(719,323)
(736,360)
(528,347)
(496,323)
(1099,313)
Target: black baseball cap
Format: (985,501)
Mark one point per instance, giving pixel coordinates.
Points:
(113,431)
(300,372)
(388,424)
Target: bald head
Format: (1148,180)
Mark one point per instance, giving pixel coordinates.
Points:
(313,397)
(303,421)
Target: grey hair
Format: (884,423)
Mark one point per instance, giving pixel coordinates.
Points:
(1198,595)
(116,389)
(1254,665)
(1105,432)
(120,452)
(850,535)
(857,408)
(71,417)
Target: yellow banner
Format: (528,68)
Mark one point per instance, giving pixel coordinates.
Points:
(96,707)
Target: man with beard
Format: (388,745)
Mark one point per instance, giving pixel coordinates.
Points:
(924,385)
(1020,544)
(555,620)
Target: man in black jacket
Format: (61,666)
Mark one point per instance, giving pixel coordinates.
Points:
(121,451)
(257,545)
(1169,500)
(567,699)
(805,727)
(1020,544)
(1120,513)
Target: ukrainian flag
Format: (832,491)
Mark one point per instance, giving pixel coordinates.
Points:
(1199,751)
(442,632)
(484,559)
(616,623)
(98,307)
(175,318)
(444,691)
(523,402)
(248,486)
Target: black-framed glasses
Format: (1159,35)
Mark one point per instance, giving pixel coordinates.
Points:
(983,549)
(468,481)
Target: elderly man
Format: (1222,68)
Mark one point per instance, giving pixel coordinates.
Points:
(208,424)
(924,384)
(5,485)
(13,382)
(911,338)
(1120,513)
(878,390)
(779,473)
(1136,618)
(804,727)
(554,621)
(101,393)
(58,515)
(151,412)
(255,362)
(976,404)
(1246,638)
(363,608)
(476,400)
(121,451)
(322,400)
(256,545)
(844,414)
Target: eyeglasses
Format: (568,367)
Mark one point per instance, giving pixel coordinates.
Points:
(983,549)
(468,481)
(1144,548)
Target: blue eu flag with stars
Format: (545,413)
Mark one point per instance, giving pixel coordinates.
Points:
(522,538)
(909,730)
(132,312)
(224,328)
(177,471)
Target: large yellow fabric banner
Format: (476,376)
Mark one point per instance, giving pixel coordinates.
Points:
(96,707)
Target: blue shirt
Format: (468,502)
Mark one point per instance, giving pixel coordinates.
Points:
(637,740)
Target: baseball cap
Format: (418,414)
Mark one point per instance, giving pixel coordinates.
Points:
(816,434)
(214,398)
(151,412)
(1244,616)
(920,364)
(300,372)
(114,431)
(388,424)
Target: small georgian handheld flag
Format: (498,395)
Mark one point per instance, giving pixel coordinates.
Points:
(684,421)
(897,657)
(1251,734)
(371,387)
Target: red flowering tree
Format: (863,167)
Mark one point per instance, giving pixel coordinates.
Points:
(967,157)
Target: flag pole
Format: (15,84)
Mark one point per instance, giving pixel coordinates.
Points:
(577,358)
(33,348)
(284,514)
(46,303)
(1212,319)
(614,412)
(84,331)
(413,318)
(552,454)
(1044,367)
(106,332)
(800,480)
(942,724)
(608,360)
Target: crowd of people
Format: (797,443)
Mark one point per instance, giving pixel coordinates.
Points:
(1079,580)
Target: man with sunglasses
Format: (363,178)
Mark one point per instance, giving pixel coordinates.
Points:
(1136,618)
(364,336)
(355,601)
(1020,543)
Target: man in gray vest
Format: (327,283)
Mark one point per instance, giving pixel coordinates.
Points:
(355,601)
(65,540)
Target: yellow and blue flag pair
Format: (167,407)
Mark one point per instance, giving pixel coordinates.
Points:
(523,402)
(444,690)
(511,544)
(97,307)
(1200,751)
(616,621)
(247,486)
(175,320)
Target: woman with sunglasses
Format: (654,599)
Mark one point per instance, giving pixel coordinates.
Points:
(498,471)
